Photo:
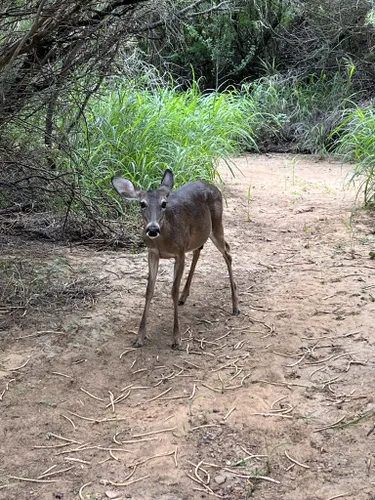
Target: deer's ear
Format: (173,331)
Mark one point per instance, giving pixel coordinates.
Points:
(168,179)
(125,188)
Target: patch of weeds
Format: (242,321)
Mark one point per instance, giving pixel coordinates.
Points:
(91,495)
(356,421)
(367,240)
(328,190)
(242,462)
(52,404)
(339,249)
(45,285)
(356,143)
(248,204)
(72,327)
(254,465)
(292,179)
(250,489)
(293,165)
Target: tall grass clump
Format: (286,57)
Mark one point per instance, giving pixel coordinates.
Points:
(300,114)
(137,133)
(356,142)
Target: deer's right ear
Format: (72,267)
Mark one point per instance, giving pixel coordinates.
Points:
(125,188)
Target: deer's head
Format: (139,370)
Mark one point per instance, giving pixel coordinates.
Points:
(153,203)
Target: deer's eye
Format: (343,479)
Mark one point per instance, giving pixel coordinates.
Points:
(143,204)
(163,204)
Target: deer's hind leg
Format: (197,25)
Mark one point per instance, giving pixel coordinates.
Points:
(186,291)
(217,238)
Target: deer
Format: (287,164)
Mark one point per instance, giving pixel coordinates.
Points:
(177,222)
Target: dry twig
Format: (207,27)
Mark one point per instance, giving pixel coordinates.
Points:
(125,482)
(72,459)
(54,473)
(330,426)
(156,397)
(171,429)
(69,420)
(37,334)
(229,413)
(160,455)
(80,493)
(6,388)
(19,367)
(31,480)
(128,483)
(295,461)
(91,395)
(62,375)
(62,438)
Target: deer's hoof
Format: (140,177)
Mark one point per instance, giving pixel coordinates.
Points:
(137,344)
(181,302)
(177,346)
(236,312)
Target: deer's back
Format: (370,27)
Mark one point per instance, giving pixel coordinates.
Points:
(195,196)
(191,211)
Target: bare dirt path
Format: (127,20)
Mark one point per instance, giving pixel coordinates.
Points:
(277,403)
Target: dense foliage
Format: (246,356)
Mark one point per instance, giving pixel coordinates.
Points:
(91,89)
(138,134)
(357,142)
(252,38)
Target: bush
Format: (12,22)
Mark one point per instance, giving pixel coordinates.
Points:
(138,133)
(299,115)
(357,142)
(136,130)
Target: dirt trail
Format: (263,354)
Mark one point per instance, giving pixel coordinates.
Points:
(277,403)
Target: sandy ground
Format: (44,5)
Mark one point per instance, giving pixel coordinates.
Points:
(277,403)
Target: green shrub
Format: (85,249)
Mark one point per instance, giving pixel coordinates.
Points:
(137,133)
(137,129)
(356,142)
(299,114)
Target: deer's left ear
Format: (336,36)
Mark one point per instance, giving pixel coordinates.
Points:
(168,179)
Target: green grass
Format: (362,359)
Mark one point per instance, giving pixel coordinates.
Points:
(137,130)
(356,142)
(138,133)
(356,421)
(300,113)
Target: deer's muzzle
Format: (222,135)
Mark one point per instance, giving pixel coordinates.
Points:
(153,230)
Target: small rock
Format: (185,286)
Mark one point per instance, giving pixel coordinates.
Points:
(111,494)
(208,436)
(303,210)
(219,479)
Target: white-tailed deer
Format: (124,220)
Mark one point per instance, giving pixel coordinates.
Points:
(177,222)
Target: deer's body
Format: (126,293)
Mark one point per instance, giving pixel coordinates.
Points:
(175,223)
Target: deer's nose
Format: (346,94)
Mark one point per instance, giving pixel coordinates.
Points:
(153,230)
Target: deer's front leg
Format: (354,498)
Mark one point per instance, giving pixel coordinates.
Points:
(153,264)
(178,272)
